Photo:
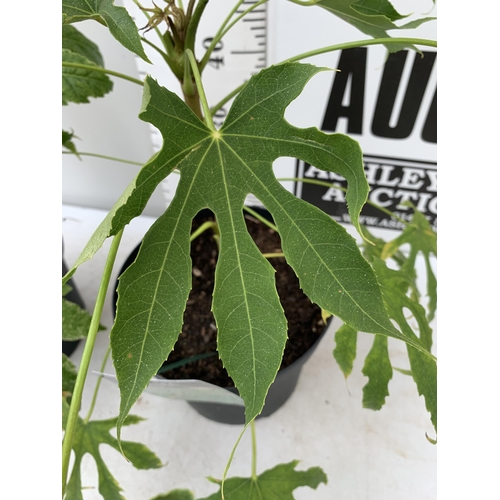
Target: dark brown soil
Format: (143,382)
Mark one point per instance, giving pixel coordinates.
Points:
(198,335)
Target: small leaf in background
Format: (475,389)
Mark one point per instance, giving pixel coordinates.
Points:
(176,495)
(378,369)
(117,19)
(421,238)
(66,288)
(372,18)
(345,349)
(79,84)
(78,43)
(67,142)
(377,8)
(276,483)
(81,10)
(424,372)
(87,439)
(69,373)
(75,321)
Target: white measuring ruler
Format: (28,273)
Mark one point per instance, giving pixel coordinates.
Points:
(241,53)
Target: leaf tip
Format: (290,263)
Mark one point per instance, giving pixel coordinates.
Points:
(432,441)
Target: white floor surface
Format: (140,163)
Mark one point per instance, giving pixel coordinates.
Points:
(366,455)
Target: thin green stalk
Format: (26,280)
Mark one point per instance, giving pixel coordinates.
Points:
(225,27)
(259,217)
(217,36)
(97,385)
(204,227)
(341,188)
(102,70)
(194,21)
(189,11)
(305,3)
(76,398)
(104,157)
(362,43)
(241,16)
(172,64)
(230,460)
(254,452)
(221,103)
(182,362)
(332,48)
(201,91)
(154,46)
(273,255)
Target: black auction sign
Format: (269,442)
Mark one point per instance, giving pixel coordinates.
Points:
(397,132)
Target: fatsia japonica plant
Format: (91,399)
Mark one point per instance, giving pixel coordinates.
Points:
(219,168)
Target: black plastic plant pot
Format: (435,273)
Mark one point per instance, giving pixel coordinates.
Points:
(69,346)
(279,392)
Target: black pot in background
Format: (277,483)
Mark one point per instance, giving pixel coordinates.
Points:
(280,390)
(68,347)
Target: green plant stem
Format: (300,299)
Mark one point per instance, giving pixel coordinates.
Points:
(102,70)
(104,157)
(218,36)
(189,11)
(85,361)
(97,385)
(182,362)
(230,460)
(229,96)
(203,98)
(273,255)
(341,188)
(194,21)
(225,27)
(259,217)
(332,48)
(204,227)
(172,64)
(362,43)
(254,451)
(305,3)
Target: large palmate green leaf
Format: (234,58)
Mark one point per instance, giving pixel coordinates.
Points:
(87,439)
(374,18)
(218,169)
(117,19)
(276,483)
